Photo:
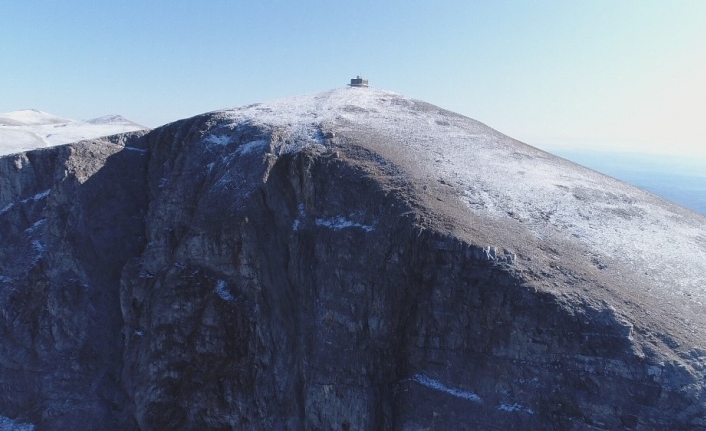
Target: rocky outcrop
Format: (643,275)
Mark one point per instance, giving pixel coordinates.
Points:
(256,271)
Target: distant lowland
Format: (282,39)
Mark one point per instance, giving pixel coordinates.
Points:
(680,179)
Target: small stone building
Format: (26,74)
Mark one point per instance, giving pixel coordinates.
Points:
(359,82)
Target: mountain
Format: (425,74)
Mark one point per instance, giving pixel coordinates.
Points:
(348,260)
(30,129)
(31,117)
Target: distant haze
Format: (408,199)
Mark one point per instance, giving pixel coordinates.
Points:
(679,179)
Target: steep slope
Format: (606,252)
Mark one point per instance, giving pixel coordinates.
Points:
(29,129)
(346,260)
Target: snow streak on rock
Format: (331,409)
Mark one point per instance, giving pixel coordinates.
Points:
(338,223)
(514,408)
(437,385)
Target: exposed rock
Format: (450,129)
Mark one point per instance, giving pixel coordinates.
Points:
(349,260)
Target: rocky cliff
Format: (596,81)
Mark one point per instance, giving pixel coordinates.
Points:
(342,261)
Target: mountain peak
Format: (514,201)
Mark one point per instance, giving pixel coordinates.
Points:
(352,259)
(114,120)
(30,117)
(31,128)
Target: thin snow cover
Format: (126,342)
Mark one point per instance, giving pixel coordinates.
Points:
(496,176)
(338,223)
(7,424)
(250,147)
(217,139)
(30,129)
(437,385)
(223,291)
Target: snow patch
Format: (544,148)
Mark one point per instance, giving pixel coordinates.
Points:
(437,385)
(35,226)
(339,223)
(7,424)
(223,291)
(38,196)
(217,139)
(301,215)
(38,246)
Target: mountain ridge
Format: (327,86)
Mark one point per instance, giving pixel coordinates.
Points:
(29,129)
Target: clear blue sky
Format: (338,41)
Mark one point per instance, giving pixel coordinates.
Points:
(599,73)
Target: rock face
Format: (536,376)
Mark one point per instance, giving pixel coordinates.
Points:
(348,260)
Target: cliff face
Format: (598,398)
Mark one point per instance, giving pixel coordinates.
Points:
(349,260)
(71,217)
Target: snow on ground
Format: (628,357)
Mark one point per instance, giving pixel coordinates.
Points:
(30,117)
(501,178)
(30,129)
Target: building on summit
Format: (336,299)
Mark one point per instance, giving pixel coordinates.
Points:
(359,82)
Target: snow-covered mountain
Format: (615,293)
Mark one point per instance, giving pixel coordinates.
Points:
(29,129)
(353,259)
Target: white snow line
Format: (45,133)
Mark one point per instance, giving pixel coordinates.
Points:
(38,196)
(139,150)
(437,385)
(514,408)
(338,223)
